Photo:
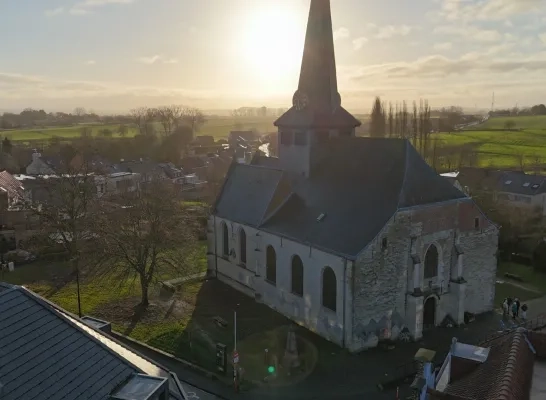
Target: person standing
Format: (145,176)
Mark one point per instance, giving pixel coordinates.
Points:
(505,308)
(524,312)
(517,306)
(514,310)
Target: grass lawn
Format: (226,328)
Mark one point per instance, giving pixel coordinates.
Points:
(182,324)
(533,280)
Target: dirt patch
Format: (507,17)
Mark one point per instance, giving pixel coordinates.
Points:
(126,311)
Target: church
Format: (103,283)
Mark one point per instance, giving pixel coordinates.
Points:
(355,238)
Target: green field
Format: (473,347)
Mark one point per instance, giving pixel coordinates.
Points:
(525,122)
(502,148)
(219,127)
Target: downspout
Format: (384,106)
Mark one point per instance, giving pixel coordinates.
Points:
(344,300)
(215,250)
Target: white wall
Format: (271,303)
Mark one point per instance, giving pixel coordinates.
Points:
(306,310)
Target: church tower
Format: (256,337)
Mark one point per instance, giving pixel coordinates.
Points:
(316,114)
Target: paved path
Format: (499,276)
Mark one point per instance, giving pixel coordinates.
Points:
(341,375)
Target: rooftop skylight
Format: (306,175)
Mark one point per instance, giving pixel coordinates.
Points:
(526,184)
(507,182)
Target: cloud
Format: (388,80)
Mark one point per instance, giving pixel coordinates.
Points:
(542,37)
(489,9)
(443,46)
(53,12)
(157,59)
(21,86)
(358,43)
(390,31)
(86,6)
(90,62)
(470,32)
(341,33)
(437,66)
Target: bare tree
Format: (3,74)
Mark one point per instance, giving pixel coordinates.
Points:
(391,120)
(377,122)
(79,111)
(123,130)
(86,131)
(64,206)
(148,236)
(193,117)
(140,118)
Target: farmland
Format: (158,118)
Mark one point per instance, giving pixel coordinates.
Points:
(502,148)
(219,127)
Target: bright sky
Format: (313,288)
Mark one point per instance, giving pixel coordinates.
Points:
(112,55)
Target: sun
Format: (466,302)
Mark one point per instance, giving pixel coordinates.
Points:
(272,44)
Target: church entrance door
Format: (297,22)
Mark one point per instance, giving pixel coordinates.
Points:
(429,313)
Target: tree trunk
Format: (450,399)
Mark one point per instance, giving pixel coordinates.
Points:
(144,286)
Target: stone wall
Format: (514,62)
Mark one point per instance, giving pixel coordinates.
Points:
(250,278)
(390,288)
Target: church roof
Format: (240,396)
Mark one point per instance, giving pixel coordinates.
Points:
(357,188)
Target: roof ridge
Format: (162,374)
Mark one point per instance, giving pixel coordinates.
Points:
(59,313)
(506,384)
(406,164)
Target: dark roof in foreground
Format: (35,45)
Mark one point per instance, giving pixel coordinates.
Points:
(46,353)
(359,187)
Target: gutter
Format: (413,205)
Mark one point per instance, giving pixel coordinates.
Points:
(215,249)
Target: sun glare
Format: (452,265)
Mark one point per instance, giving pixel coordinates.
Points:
(272,45)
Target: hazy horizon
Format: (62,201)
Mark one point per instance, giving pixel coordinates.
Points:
(113,55)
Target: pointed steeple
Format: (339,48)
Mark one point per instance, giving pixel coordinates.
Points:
(316,102)
(318,79)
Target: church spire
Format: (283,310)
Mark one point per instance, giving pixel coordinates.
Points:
(316,102)
(318,79)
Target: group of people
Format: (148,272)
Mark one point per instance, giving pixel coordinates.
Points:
(514,307)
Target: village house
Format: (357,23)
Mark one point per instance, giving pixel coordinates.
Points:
(356,239)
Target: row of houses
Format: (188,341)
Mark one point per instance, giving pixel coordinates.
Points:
(511,189)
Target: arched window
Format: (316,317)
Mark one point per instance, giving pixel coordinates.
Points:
(242,245)
(431,262)
(297,276)
(329,289)
(225,240)
(271,265)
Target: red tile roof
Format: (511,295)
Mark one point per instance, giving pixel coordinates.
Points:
(11,185)
(505,375)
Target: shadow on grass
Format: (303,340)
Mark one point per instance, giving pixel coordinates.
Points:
(140,311)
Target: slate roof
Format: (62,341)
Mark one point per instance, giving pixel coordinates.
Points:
(46,353)
(505,375)
(521,183)
(359,187)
